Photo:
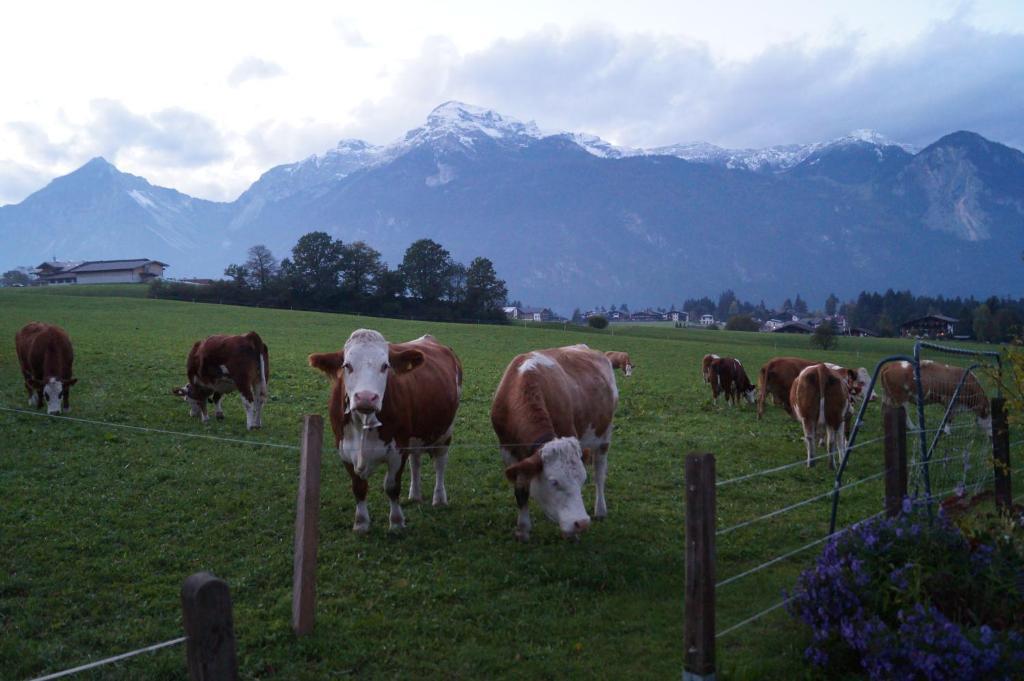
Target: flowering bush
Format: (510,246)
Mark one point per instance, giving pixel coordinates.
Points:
(914,598)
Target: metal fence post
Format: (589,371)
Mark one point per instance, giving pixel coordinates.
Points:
(895,422)
(699,624)
(210,628)
(307,513)
(1001,455)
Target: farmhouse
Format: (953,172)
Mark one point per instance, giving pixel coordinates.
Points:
(794,327)
(138,271)
(707,319)
(929,326)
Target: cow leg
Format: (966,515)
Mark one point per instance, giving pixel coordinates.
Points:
(523,524)
(809,437)
(34,399)
(440,458)
(393,487)
(218,409)
(359,489)
(600,475)
(414,476)
(250,406)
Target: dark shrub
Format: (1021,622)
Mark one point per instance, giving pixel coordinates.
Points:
(598,321)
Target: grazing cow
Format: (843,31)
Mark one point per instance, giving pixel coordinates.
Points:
(45,354)
(552,409)
(820,398)
(705,367)
(621,360)
(389,402)
(938,382)
(777,376)
(223,364)
(729,378)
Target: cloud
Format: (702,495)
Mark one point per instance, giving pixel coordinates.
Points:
(648,89)
(253,68)
(172,136)
(350,36)
(17,180)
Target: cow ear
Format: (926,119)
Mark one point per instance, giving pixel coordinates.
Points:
(405,360)
(528,468)
(328,362)
(37,384)
(70,382)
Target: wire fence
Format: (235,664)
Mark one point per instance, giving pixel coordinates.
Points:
(111,660)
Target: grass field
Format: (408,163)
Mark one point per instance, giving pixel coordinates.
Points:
(99,526)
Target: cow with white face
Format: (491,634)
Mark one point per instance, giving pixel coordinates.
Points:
(391,402)
(553,414)
(46,357)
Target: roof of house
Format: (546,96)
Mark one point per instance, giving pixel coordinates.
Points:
(794,326)
(113,265)
(927,317)
(58,264)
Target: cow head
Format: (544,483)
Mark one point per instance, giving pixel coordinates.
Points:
(364,366)
(628,369)
(750,394)
(54,393)
(188,393)
(556,473)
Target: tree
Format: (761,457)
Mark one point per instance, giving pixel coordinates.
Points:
(598,321)
(456,291)
(360,267)
(725,301)
(18,277)
(316,261)
(787,305)
(485,293)
(984,324)
(238,273)
(577,316)
(427,268)
(824,337)
(741,322)
(831,303)
(800,305)
(262,267)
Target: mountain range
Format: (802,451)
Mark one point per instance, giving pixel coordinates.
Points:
(572,220)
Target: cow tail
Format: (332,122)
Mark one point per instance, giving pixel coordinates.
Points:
(822,373)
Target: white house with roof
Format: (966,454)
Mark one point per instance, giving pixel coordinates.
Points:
(138,271)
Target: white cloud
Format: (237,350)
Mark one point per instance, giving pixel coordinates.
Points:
(253,68)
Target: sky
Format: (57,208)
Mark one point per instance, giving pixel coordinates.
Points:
(204,97)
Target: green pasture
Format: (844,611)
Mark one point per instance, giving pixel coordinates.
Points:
(100,525)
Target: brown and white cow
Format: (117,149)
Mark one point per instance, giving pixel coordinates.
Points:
(223,364)
(552,409)
(938,383)
(705,367)
(45,355)
(390,402)
(820,398)
(777,376)
(728,377)
(621,360)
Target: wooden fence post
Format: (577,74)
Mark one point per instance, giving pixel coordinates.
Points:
(307,513)
(209,626)
(1001,455)
(699,623)
(895,423)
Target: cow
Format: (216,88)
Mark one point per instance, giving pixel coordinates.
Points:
(390,402)
(621,360)
(777,376)
(220,365)
(45,355)
(728,377)
(705,367)
(820,398)
(552,409)
(938,382)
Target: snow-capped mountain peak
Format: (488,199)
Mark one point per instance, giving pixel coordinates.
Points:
(459,117)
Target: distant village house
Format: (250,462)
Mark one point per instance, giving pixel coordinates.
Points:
(138,271)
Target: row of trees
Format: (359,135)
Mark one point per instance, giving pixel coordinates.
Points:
(323,273)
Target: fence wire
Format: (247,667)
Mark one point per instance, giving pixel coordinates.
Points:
(791,507)
(753,618)
(109,660)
